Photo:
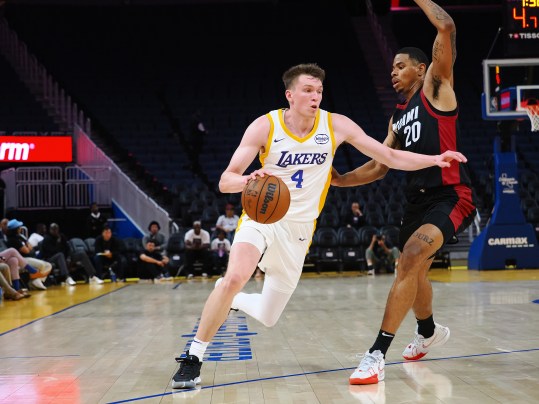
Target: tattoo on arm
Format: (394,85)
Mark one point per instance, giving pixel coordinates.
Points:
(437,50)
(437,82)
(438,11)
(424,237)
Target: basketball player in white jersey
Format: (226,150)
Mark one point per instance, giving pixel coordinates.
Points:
(297,144)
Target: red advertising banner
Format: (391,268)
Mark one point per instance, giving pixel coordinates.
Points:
(36,149)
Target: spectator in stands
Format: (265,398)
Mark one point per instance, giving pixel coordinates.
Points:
(55,249)
(95,221)
(228,222)
(159,239)
(380,255)
(108,259)
(17,240)
(197,248)
(36,237)
(17,263)
(153,264)
(220,248)
(355,217)
(5,283)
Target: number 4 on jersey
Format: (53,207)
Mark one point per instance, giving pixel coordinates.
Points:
(297,177)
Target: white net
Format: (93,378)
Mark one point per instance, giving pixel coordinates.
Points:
(533,114)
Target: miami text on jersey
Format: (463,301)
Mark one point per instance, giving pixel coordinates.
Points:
(405,119)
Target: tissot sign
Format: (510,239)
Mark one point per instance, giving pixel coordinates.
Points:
(36,149)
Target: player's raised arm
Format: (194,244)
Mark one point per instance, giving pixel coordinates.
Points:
(254,139)
(347,130)
(444,50)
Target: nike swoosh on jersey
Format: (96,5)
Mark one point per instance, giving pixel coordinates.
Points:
(278,140)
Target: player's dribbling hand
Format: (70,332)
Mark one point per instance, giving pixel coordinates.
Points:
(260,173)
(444,159)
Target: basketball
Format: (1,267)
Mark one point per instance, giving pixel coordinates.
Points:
(266,199)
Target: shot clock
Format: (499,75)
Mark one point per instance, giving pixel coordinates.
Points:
(521,20)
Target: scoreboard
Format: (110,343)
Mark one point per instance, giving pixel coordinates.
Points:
(521,23)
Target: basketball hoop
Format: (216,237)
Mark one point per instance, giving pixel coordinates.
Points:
(532,108)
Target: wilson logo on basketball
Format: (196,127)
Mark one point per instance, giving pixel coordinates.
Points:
(268,197)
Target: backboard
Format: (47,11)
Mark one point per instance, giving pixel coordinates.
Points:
(507,85)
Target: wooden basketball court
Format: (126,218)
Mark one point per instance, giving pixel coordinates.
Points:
(115,343)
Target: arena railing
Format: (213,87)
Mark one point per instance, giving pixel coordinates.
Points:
(139,206)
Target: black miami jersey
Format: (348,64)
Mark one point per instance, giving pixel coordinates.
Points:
(421,128)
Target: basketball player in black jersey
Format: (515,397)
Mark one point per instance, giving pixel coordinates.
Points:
(440,202)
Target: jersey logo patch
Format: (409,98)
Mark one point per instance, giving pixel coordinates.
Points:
(321,138)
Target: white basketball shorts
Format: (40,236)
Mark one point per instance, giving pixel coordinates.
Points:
(283,244)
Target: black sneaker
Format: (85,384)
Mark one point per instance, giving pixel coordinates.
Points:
(188,376)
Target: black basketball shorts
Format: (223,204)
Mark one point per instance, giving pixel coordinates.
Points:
(450,208)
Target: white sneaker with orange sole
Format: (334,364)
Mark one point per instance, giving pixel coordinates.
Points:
(370,370)
(420,346)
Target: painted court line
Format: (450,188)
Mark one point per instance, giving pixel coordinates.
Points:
(38,356)
(61,311)
(314,373)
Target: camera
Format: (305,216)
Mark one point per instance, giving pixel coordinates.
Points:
(379,237)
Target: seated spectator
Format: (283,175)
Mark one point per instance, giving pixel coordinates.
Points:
(5,283)
(220,248)
(228,222)
(17,240)
(55,249)
(109,260)
(197,248)
(36,237)
(153,264)
(95,222)
(380,255)
(17,263)
(159,239)
(355,217)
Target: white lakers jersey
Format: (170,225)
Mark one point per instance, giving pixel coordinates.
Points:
(304,164)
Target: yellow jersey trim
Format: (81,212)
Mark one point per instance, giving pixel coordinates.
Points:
(324,194)
(263,156)
(331,134)
(296,138)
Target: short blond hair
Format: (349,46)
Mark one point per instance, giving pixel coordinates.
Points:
(309,69)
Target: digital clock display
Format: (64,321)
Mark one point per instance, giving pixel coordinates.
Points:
(521,27)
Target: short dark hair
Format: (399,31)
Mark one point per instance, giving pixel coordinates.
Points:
(415,53)
(152,223)
(310,69)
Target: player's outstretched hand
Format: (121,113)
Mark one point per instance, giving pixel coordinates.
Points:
(444,159)
(260,173)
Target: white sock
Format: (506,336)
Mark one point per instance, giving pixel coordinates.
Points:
(198,348)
